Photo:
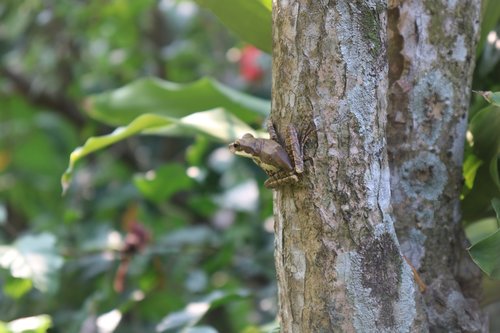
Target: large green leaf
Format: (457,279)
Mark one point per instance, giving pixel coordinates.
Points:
(250,19)
(33,257)
(485,252)
(481,229)
(485,255)
(120,107)
(217,124)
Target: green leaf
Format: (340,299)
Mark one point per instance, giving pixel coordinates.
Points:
(477,203)
(471,164)
(485,129)
(194,311)
(490,97)
(480,229)
(217,124)
(251,20)
(155,96)
(33,257)
(17,288)
(160,184)
(485,254)
(495,171)
(495,202)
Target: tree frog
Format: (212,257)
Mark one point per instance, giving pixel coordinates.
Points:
(282,163)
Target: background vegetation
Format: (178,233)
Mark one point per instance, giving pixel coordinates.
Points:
(163,233)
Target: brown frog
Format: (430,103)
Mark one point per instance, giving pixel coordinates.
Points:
(282,163)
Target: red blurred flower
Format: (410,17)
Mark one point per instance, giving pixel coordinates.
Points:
(250,67)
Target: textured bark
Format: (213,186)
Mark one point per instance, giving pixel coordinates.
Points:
(338,259)
(431,57)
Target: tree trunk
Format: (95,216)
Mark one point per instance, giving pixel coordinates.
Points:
(431,57)
(338,259)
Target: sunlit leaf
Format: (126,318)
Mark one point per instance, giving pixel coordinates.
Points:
(485,254)
(16,288)
(250,19)
(121,106)
(217,124)
(36,324)
(108,321)
(33,257)
(471,164)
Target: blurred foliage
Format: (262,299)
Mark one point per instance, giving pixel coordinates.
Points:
(481,169)
(155,234)
(481,192)
(164,233)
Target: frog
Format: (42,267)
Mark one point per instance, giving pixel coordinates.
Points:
(282,161)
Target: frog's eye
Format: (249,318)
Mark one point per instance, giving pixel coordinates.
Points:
(236,144)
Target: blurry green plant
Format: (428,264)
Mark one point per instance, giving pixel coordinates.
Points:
(482,186)
(481,168)
(62,254)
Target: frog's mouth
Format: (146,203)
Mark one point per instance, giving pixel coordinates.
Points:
(238,149)
(232,148)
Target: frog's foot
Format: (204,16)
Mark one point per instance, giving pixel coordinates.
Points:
(272,131)
(281,179)
(294,148)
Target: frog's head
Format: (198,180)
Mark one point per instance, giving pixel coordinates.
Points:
(247,146)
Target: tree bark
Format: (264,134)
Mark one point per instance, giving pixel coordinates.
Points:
(339,262)
(338,259)
(431,57)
